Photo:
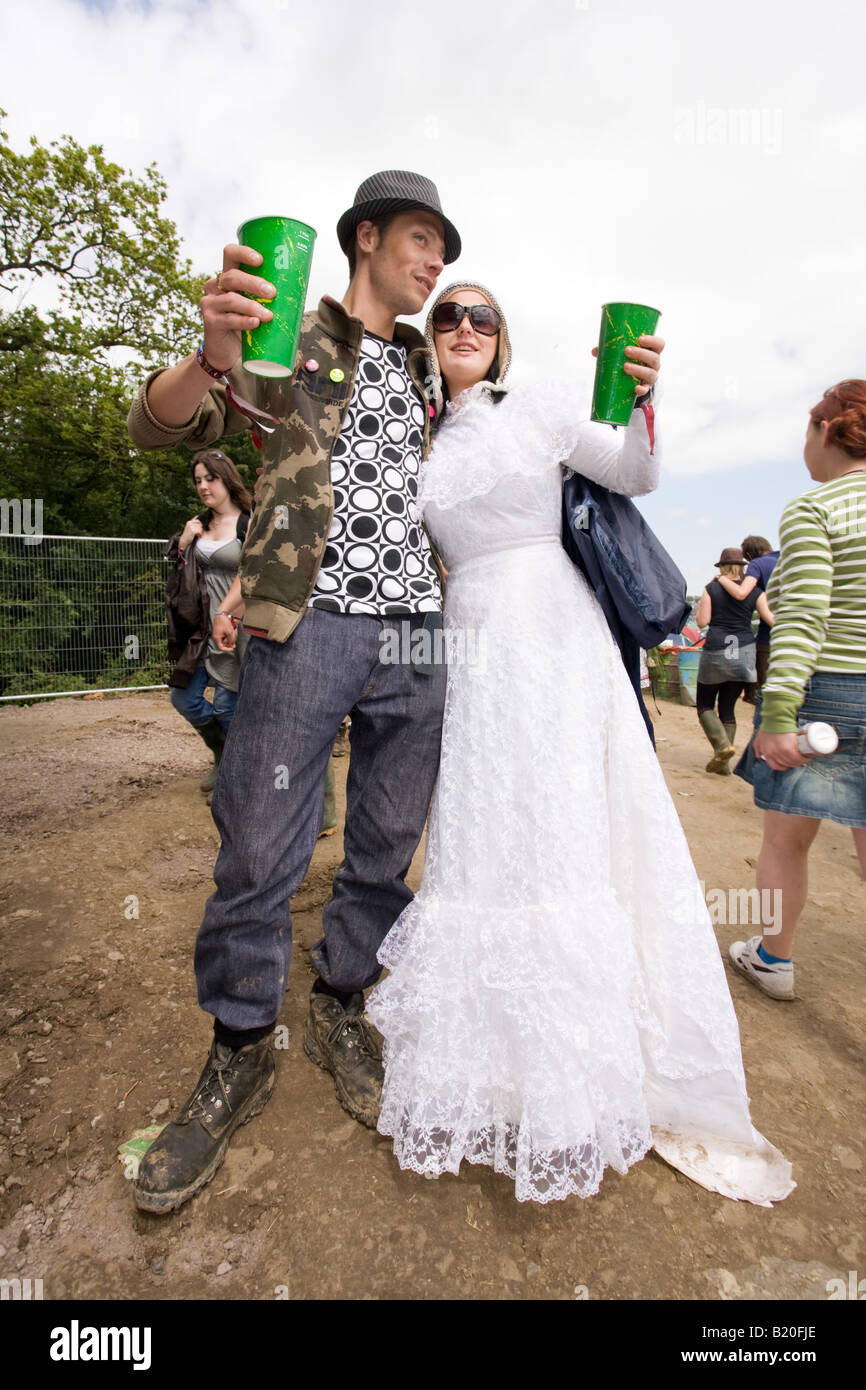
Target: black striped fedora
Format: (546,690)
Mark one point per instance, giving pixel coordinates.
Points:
(396,190)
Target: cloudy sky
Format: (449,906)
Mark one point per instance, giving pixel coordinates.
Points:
(705,159)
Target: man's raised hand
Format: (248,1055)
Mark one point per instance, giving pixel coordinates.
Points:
(225,310)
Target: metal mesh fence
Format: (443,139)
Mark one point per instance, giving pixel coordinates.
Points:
(81,613)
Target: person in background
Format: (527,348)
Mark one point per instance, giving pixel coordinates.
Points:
(211,543)
(727,660)
(817,673)
(761,561)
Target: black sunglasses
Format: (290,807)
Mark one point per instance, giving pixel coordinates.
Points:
(484,318)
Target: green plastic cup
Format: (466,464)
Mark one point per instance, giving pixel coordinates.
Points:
(613,397)
(286,247)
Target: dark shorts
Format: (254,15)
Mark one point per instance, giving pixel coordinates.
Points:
(833,786)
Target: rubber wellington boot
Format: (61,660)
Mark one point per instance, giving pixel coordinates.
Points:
(731,731)
(214,736)
(717,735)
(329,819)
(341,747)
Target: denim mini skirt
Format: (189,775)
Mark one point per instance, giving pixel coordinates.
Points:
(716,668)
(833,785)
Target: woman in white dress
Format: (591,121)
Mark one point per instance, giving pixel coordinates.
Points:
(550,1009)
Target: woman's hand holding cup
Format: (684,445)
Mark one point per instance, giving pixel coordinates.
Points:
(644,362)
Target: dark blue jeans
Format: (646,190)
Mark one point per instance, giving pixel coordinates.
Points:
(268,799)
(191,703)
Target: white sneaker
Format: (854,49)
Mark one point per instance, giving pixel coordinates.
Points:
(775,980)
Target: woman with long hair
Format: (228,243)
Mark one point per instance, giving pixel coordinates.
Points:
(550,1009)
(205,556)
(817,673)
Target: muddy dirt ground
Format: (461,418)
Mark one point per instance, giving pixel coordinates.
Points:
(101,1035)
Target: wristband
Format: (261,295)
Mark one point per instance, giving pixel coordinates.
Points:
(205,365)
(252,412)
(645,403)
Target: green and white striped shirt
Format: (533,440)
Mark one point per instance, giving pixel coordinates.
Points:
(817,593)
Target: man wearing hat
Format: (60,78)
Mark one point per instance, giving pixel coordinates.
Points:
(335,559)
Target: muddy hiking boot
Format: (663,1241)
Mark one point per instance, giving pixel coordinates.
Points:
(717,734)
(214,736)
(342,1042)
(234,1086)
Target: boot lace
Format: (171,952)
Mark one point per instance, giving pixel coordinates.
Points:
(353,1028)
(212,1093)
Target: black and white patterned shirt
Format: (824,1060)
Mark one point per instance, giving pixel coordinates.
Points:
(377,559)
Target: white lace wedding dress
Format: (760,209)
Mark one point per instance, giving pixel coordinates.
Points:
(556,999)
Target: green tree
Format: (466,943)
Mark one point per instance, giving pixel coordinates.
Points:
(70,214)
(96,236)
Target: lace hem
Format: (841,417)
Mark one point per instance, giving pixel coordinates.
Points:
(539,1175)
(756,1173)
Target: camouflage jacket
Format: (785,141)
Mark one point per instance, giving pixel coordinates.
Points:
(289,527)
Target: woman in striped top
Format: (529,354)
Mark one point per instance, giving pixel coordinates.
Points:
(817,672)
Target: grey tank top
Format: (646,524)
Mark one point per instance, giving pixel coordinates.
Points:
(220,571)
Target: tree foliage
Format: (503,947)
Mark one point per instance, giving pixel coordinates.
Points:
(78,230)
(69,214)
